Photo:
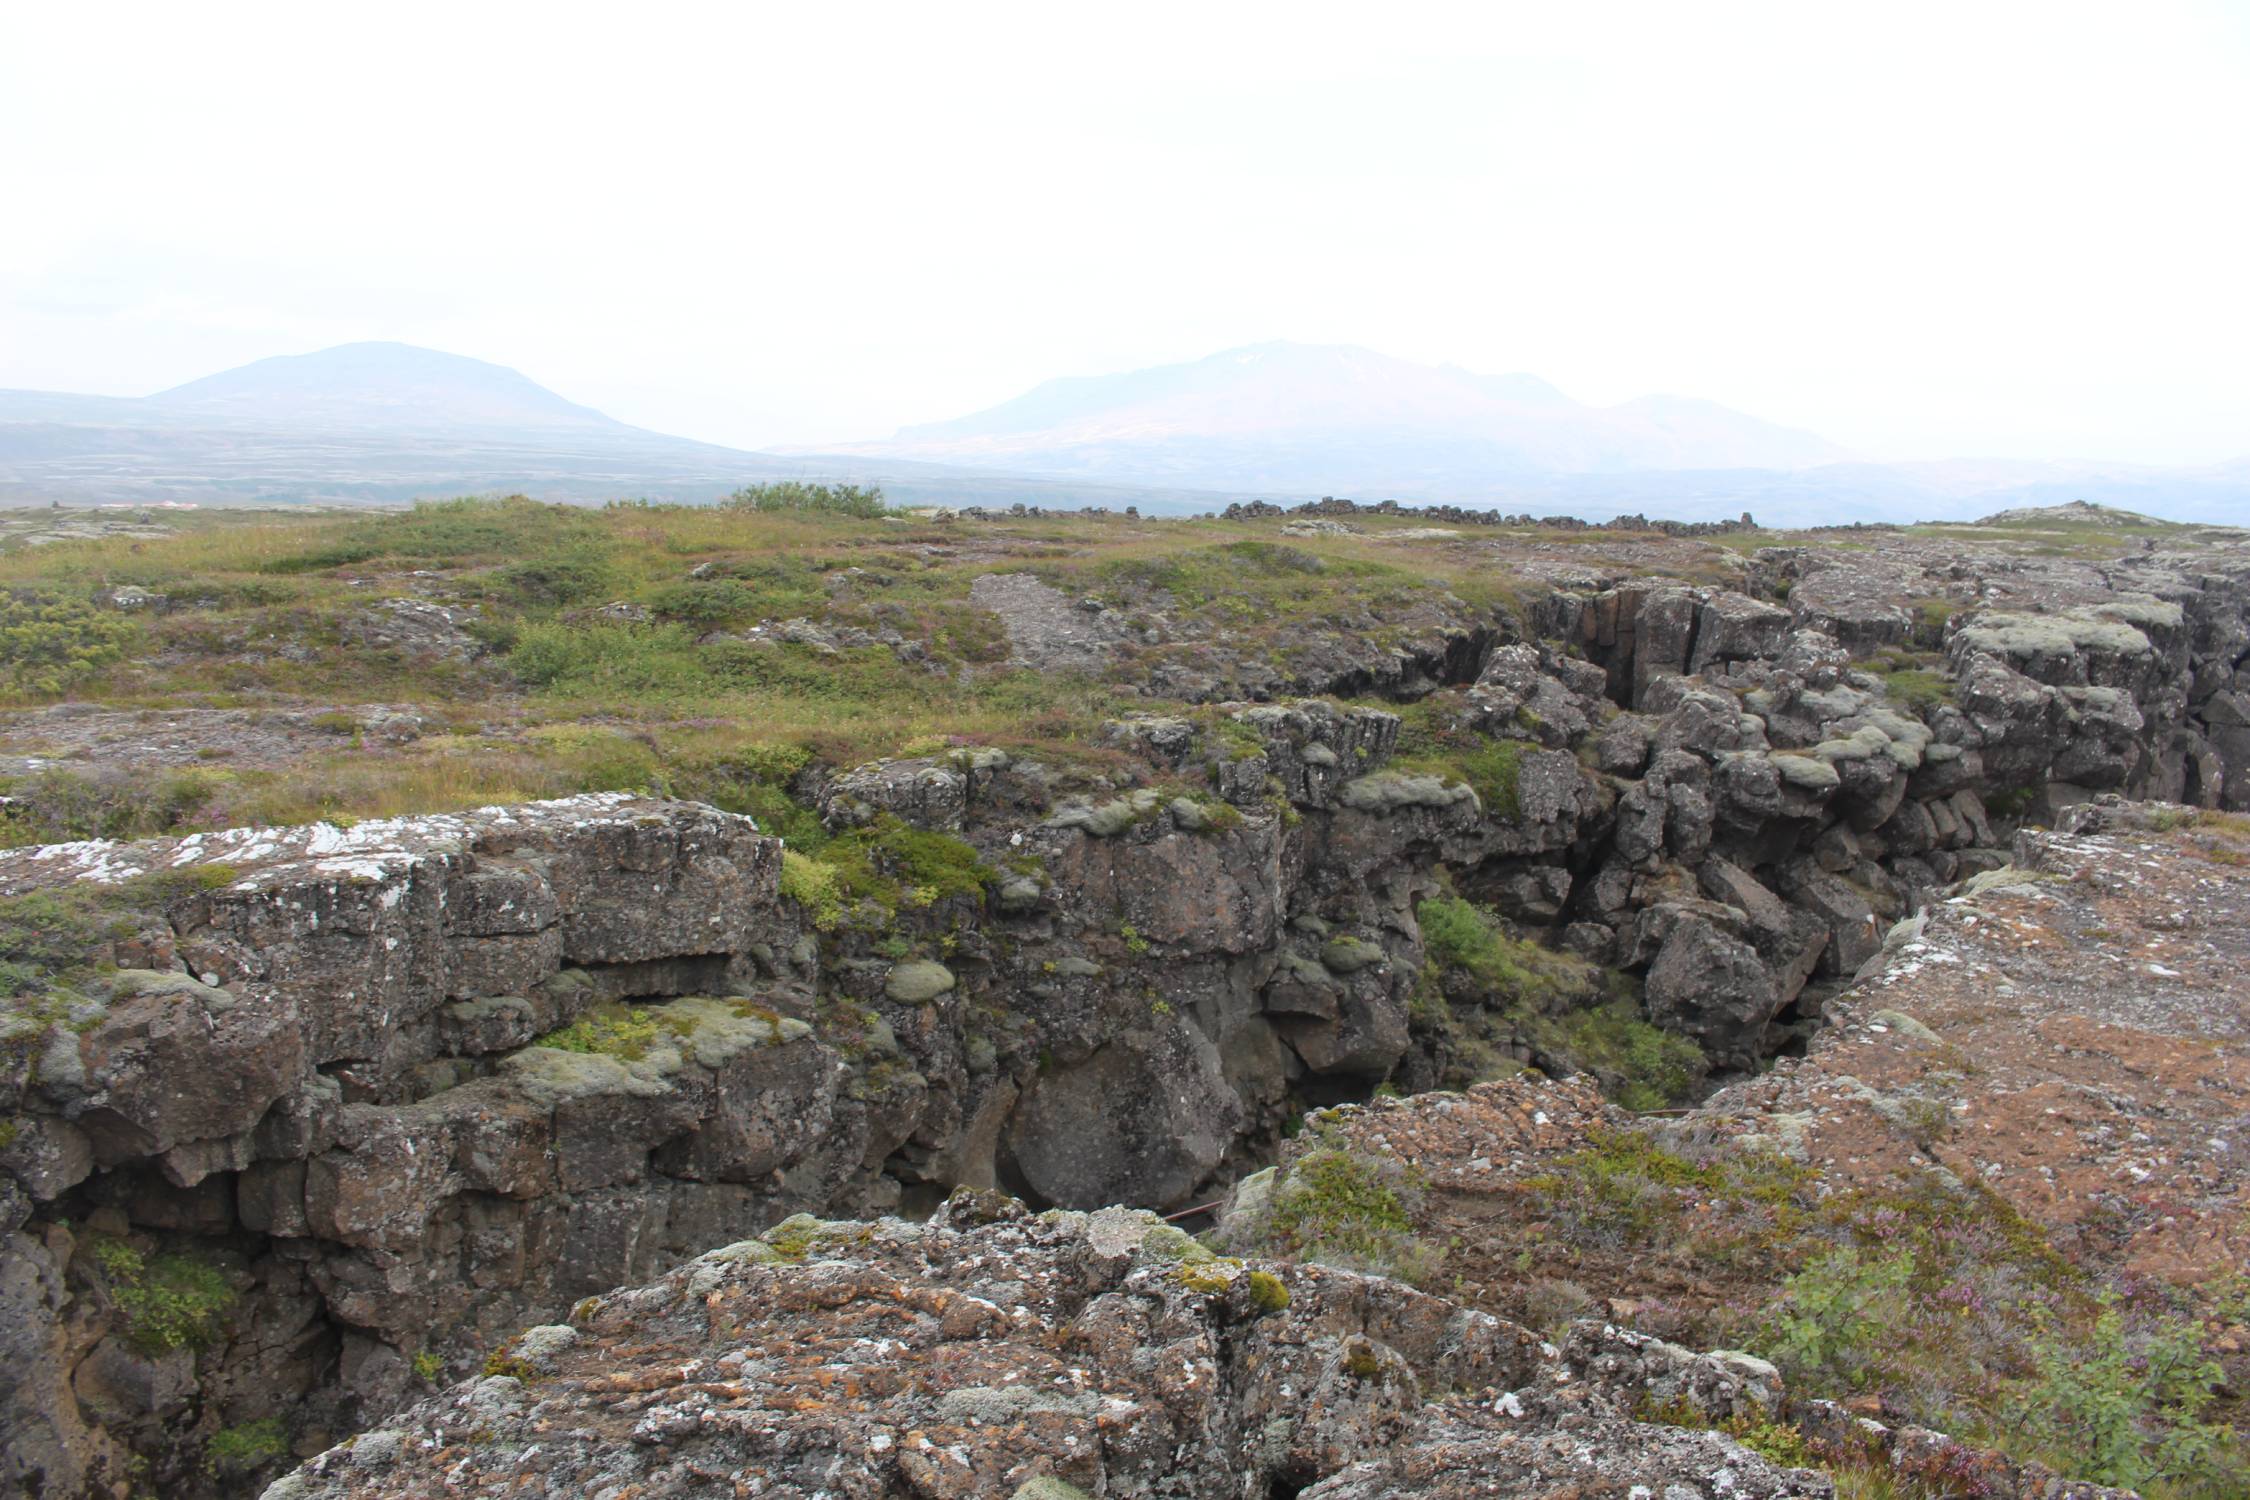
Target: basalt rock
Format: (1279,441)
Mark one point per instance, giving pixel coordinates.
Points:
(993,1353)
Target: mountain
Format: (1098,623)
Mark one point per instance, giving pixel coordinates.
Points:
(383,422)
(1292,417)
(379,385)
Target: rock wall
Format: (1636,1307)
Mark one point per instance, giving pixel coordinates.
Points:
(291,1082)
(380,1096)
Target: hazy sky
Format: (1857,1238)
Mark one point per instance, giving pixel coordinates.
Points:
(1921,230)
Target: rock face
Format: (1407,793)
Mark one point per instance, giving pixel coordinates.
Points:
(309,1082)
(993,1353)
(386,1094)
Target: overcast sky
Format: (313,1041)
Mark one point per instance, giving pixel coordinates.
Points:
(1921,230)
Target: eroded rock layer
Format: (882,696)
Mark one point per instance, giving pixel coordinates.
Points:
(993,1353)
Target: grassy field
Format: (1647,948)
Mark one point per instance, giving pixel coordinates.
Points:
(637,646)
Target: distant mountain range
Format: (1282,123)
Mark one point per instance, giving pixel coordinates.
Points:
(1293,417)
(382,422)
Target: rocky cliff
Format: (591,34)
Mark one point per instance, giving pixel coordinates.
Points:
(300,1121)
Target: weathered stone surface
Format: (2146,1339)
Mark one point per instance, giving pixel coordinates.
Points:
(990,1353)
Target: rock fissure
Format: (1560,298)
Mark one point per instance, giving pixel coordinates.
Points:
(364,1102)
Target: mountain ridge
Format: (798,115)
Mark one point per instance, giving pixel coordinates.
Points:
(394,422)
(1280,412)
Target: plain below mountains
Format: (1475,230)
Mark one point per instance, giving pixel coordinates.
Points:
(386,422)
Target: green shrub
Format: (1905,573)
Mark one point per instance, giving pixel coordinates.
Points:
(865,502)
(1836,1317)
(50,644)
(578,576)
(1512,970)
(53,806)
(1640,1066)
(171,1302)
(813,886)
(237,1451)
(2130,1407)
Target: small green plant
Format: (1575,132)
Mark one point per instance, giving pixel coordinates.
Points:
(2011,802)
(1831,1326)
(50,643)
(501,1362)
(612,1030)
(1343,1208)
(171,1302)
(813,886)
(2130,1406)
(238,1451)
(865,502)
(1642,1067)
(1135,944)
(1464,936)
(427,1367)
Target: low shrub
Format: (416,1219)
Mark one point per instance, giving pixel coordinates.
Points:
(50,643)
(170,1302)
(1342,1208)
(865,502)
(2130,1405)
(239,1451)
(1512,970)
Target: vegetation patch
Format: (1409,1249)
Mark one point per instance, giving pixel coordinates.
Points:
(1640,1066)
(1344,1208)
(234,1452)
(865,502)
(170,1302)
(51,643)
(1462,936)
(619,1031)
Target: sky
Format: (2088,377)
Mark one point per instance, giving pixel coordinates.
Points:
(1921,230)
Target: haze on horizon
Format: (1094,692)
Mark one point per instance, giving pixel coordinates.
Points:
(1921,231)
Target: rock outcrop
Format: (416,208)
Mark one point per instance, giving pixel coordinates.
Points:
(298,1076)
(374,1098)
(994,1353)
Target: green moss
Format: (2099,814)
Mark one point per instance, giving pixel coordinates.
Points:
(1361,1360)
(1495,773)
(501,1362)
(237,1451)
(613,1030)
(1210,1277)
(1164,1242)
(799,1235)
(427,1367)
(1268,1292)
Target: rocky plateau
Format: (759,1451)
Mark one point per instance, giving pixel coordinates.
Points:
(419,1139)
